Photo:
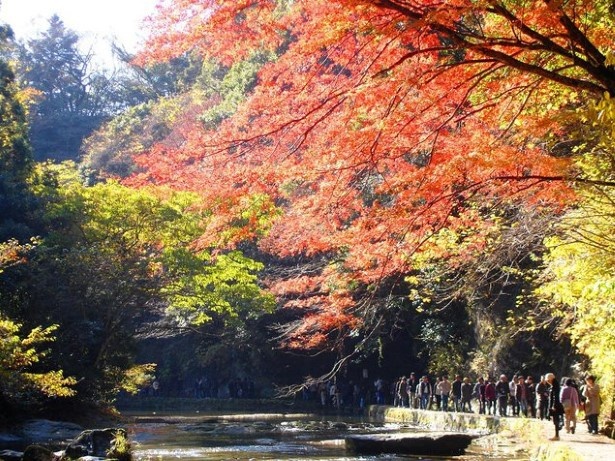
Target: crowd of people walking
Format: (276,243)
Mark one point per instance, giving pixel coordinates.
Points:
(546,399)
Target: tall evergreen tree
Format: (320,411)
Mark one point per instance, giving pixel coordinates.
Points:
(73,98)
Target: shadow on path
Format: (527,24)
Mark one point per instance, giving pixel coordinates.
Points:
(589,447)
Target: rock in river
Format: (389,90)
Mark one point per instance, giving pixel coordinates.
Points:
(99,443)
(420,443)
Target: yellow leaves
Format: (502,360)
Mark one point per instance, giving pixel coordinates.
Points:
(18,354)
(52,383)
(137,377)
(15,352)
(580,284)
(601,113)
(29,96)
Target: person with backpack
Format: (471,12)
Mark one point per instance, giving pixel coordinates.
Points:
(570,401)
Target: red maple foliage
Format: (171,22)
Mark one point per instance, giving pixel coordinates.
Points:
(380,124)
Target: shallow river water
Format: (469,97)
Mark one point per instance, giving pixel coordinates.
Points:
(301,438)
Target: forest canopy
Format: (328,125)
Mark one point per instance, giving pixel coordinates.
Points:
(343,176)
(403,135)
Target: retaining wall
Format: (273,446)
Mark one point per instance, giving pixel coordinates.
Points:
(444,420)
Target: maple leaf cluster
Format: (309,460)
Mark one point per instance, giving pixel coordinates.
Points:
(378,125)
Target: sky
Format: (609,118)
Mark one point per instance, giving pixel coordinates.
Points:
(98,22)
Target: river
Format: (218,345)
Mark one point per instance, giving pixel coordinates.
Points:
(268,437)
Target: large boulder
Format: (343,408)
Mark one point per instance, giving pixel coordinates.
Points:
(99,443)
(423,443)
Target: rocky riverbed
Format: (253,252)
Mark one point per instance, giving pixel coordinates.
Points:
(46,440)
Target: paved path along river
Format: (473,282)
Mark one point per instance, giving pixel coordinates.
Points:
(589,447)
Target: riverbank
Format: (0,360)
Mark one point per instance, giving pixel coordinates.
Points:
(512,437)
(516,438)
(580,446)
(209,405)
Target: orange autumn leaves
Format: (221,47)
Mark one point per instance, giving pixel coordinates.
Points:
(379,125)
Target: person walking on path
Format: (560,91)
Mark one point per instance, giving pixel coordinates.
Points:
(479,391)
(456,393)
(580,447)
(502,389)
(444,387)
(521,396)
(490,396)
(531,396)
(401,392)
(466,395)
(512,397)
(570,401)
(592,403)
(424,391)
(556,410)
(412,384)
(542,392)
(437,393)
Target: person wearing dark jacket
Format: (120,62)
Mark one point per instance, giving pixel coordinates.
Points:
(456,393)
(466,395)
(490,396)
(542,393)
(502,389)
(424,392)
(531,396)
(556,410)
(412,383)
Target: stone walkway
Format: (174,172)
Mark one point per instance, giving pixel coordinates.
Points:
(588,447)
(511,438)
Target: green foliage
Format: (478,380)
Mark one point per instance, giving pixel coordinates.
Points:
(24,377)
(137,377)
(144,84)
(97,271)
(154,96)
(112,259)
(14,147)
(224,286)
(109,150)
(16,203)
(160,93)
(120,447)
(19,356)
(581,282)
(232,89)
(472,306)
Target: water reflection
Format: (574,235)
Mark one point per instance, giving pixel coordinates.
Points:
(305,439)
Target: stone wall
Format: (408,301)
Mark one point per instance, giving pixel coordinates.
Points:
(443,420)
